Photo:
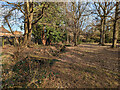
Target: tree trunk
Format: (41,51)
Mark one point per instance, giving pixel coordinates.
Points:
(28,21)
(30,18)
(104,23)
(115,35)
(103,37)
(67,38)
(102,34)
(115,27)
(100,37)
(43,37)
(25,26)
(3,42)
(75,39)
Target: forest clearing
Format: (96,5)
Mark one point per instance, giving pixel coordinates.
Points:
(67,44)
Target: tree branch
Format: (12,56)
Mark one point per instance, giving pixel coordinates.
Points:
(39,16)
(17,5)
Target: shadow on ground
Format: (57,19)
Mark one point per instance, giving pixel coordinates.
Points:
(27,73)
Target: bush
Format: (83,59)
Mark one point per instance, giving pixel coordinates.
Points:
(79,42)
(88,40)
(92,40)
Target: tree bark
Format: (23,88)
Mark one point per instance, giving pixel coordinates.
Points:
(100,37)
(103,35)
(115,35)
(67,37)
(75,39)
(104,23)
(3,42)
(30,20)
(25,25)
(102,32)
(115,27)
(43,37)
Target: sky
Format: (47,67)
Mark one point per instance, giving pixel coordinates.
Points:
(19,22)
(14,27)
(16,23)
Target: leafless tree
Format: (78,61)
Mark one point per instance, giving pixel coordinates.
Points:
(103,11)
(75,11)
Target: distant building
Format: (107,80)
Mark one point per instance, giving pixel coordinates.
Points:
(4,32)
(8,37)
(18,33)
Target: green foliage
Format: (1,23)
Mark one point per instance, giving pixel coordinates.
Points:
(79,42)
(37,33)
(92,40)
(53,20)
(54,34)
(88,40)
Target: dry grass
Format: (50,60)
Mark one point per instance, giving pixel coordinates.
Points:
(83,66)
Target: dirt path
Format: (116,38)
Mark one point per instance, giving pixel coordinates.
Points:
(83,66)
(88,65)
(99,56)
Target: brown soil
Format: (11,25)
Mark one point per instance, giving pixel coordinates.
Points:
(83,66)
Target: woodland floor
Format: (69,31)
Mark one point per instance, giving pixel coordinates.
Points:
(82,66)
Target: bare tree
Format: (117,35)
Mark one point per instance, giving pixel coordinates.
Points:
(103,11)
(75,13)
(116,25)
(26,8)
